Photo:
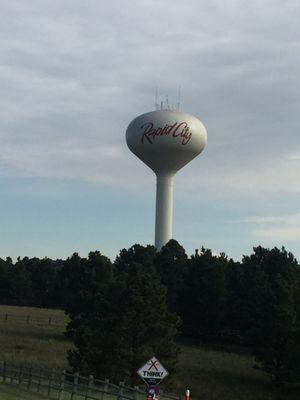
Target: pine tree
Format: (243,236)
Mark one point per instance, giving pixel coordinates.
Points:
(171,264)
(126,322)
(206,295)
(274,319)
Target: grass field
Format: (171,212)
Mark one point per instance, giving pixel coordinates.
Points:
(33,343)
(218,373)
(10,392)
(211,372)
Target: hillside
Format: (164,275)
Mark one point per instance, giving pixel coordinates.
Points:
(211,371)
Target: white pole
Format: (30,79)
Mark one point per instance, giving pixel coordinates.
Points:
(164,209)
(187,394)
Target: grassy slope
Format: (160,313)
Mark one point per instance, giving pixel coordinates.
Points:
(32,343)
(10,392)
(218,373)
(210,372)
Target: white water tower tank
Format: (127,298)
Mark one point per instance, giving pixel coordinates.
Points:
(166,141)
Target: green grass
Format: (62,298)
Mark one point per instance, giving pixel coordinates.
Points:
(33,311)
(33,343)
(213,373)
(11,392)
(210,372)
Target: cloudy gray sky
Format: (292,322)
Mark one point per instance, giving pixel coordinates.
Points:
(73,75)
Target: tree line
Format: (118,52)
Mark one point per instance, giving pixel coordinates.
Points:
(145,300)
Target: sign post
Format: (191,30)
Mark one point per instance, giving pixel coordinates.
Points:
(152,373)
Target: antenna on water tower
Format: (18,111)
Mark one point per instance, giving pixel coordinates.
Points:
(167,102)
(156,99)
(165,140)
(178,98)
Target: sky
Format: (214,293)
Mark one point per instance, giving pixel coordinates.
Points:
(73,74)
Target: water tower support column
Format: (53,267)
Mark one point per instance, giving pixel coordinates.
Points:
(164,209)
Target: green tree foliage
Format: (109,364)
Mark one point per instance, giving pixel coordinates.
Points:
(20,285)
(5,281)
(135,257)
(171,265)
(85,282)
(29,281)
(206,295)
(43,278)
(127,322)
(235,313)
(273,282)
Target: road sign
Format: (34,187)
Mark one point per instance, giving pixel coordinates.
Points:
(153,372)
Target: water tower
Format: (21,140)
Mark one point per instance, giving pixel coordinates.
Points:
(166,141)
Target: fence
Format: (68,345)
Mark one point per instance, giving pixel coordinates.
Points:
(30,319)
(62,385)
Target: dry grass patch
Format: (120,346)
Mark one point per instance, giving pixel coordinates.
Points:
(11,392)
(33,343)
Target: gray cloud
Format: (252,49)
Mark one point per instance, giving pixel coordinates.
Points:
(73,75)
(282,228)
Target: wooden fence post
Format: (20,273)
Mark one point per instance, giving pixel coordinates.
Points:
(29,377)
(136,393)
(105,388)
(20,374)
(39,379)
(11,375)
(51,379)
(75,384)
(50,320)
(62,385)
(4,371)
(121,390)
(89,386)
